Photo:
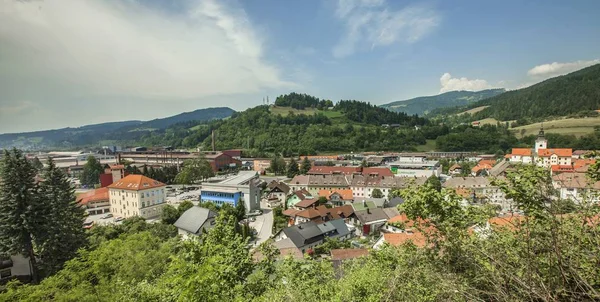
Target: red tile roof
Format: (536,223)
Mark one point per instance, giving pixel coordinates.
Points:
(562,152)
(291,212)
(344,254)
(581,163)
(309,213)
(306,203)
(397,239)
(562,168)
(136,183)
(117,167)
(93,195)
(346,194)
(378,171)
(521,151)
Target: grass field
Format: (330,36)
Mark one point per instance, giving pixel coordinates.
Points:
(283,111)
(474,110)
(429,146)
(570,126)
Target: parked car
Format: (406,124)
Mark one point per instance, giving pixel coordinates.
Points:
(88,225)
(107,215)
(117,219)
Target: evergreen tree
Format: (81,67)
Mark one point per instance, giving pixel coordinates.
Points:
(145,171)
(63,233)
(91,172)
(306,165)
(37,164)
(21,212)
(292,168)
(376,193)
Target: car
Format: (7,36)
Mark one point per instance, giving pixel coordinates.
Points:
(117,219)
(88,225)
(253,219)
(107,215)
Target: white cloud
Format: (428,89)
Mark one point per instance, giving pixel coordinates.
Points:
(87,49)
(555,69)
(372,23)
(454,84)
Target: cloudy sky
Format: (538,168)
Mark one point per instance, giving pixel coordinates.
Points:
(76,62)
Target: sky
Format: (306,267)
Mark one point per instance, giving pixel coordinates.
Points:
(70,63)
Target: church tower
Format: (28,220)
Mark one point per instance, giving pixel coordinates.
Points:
(541,142)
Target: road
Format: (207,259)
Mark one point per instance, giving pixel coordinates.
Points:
(263,225)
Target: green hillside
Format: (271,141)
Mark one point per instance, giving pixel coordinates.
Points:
(560,96)
(426,104)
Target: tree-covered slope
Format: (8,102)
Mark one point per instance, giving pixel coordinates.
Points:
(559,96)
(424,105)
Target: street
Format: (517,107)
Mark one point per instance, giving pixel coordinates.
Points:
(263,225)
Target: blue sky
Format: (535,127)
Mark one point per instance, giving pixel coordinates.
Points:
(76,62)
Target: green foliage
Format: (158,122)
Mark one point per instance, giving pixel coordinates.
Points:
(292,168)
(195,170)
(91,172)
(62,232)
(331,244)
(280,221)
(301,101)
(305,166)
(484,139)
(278,166)
(169,214)
(37,164)
(434,182)
(376,193)
(370,114)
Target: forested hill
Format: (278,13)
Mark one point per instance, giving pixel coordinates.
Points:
(559,96)
(424,105)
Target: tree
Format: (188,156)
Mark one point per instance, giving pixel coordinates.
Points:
(376,193)
(184,206)
(91,172)
(37,164)
(434,182)
(198,169)
(364,164)
(21,210)
(322,200)
(63,233)
(305,167)
(292,168)
(277,165)
(169,214)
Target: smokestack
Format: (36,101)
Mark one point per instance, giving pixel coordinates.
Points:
(213,140)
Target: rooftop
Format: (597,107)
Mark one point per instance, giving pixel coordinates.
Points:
(136,183)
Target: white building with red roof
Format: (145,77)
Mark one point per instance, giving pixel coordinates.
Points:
(541,154)
(137,195)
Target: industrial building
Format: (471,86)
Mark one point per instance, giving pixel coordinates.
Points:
(243,186)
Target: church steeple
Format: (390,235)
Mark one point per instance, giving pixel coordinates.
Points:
(541,142)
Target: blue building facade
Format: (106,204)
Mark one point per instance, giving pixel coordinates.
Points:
(220,198)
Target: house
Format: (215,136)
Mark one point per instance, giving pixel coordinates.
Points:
(314,183)
(298,196)
(582,165)
(337,197)
(241,187)
(307,236)
(548,157)
(137,195)
(363,186)
(261,165)
(555,169)
(478,190)
(369,221)
(401,224)
(576,187)
(373,171)
(397,239)
(277,193)
(14,267)
(483,167)
(455,169)
(319,214)
(521,155)
(413,168)
(339,256)
(95,201)
(195,221)
(540,154)
(580,154)
(111,174)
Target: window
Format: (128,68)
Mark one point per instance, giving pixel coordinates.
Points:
(5,273)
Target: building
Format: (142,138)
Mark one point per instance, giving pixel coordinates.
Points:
(234,153)
(261,165)
(137,195)
(337,197)
(314,183)
(576,187)
(277,193)
(412,157)
(397,239)
(307,236)
(311,212)
(455,169)
(14,267)
(241,187)
(363,186)
(550,157)
(220,161)
(483,167)
(541,155)
(478,190)
(112,173)
(298,196)
(195,222)
(95,201)
(426,168)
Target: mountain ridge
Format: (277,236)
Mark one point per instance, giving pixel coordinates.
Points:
(425,104)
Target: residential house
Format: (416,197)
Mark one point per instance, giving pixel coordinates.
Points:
(298,196)
(455,169)
(369,220)
(577,187)
(549,157)
(397,239)
(261,165)
(483,167)
(337,197)
(14,267)
(307,236)
(339,256)
(363,186)
(372,171)
(95,201)
(478,190)
(540,154)
(195,221)
(314,183)
(318,214)
(277,193)
(137,195)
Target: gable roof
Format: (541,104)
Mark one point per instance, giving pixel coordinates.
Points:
(454,167)
(279,186)
(309,213)
(346,194)
(575,180)
(93,195)
(306,203)
(369,216)
(521,151)
(562,152)
(396,239)
(303,234)
(291,212)
(136,183)
(193,218)
(363,205)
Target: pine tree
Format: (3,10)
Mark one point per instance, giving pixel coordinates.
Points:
(306,165)
(63,234)
(91,171)
(21,212)
(292,168)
